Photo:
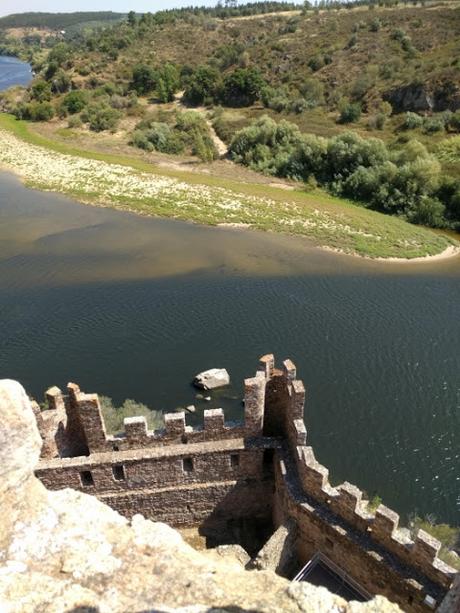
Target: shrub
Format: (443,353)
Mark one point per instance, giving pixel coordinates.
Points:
(312,91)
(41,91)
(433,124)
(375,25)
(75,101)
(61,82)
(114,416)
(454,122)
(100,117)
(350,113)
(74,122)
(398,34)
(404,182)
(34,111)
(412,121)
(160,137)
(316,63)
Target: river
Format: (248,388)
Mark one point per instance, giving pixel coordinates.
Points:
(133,307)
(13,72)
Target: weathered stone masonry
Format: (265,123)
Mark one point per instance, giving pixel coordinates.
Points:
(240,481)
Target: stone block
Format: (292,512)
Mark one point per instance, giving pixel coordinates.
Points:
(135,428)
(214,419)
(174,424)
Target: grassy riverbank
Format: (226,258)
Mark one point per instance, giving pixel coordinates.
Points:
(133,184)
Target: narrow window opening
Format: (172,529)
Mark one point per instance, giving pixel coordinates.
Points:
(187,465)
(118,472)
(234,460)
(268,458)
(86,478)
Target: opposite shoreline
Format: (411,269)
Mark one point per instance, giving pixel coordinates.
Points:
(329,223)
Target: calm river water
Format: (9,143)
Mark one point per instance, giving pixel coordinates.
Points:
(134,307)
(13,72)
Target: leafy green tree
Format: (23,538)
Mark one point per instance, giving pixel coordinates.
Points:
(144,79)
(242,87)
(167,82)
(203,85)
(132,19)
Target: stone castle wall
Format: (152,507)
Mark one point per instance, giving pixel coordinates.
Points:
(228,478)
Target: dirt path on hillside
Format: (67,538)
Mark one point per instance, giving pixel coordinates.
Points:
(219,144)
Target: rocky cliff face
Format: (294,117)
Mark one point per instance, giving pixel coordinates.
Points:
(424,98)
(66,551)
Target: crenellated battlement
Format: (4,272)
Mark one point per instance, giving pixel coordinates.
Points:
(221,472)
(79,418)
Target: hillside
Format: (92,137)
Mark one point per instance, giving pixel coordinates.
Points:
(382,81)
(57,21)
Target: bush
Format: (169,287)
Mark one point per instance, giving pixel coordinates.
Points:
(312,91)
(74,122)
(41,91)
(114,416)
(412,121)
(433,124)
(350,113)
(316,63)
(454,122)
(190,131)
(34,111)
(404,182)
(100,117)
(75,101)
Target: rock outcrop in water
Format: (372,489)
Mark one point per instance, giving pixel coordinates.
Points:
(67,551)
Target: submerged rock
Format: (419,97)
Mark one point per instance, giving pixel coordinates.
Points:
(212,379)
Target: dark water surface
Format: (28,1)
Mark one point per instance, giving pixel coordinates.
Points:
(133,307)
(13,72)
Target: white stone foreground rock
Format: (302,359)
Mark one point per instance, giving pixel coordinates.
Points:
(212,379)
(65,551)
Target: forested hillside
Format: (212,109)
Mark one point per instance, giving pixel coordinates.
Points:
(377,86)
(57,21)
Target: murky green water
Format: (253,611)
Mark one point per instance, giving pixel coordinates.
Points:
(134,307)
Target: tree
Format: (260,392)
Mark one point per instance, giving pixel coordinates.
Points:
(132,18)
(202,85)
(167,82)
(144,79)
(242,87)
